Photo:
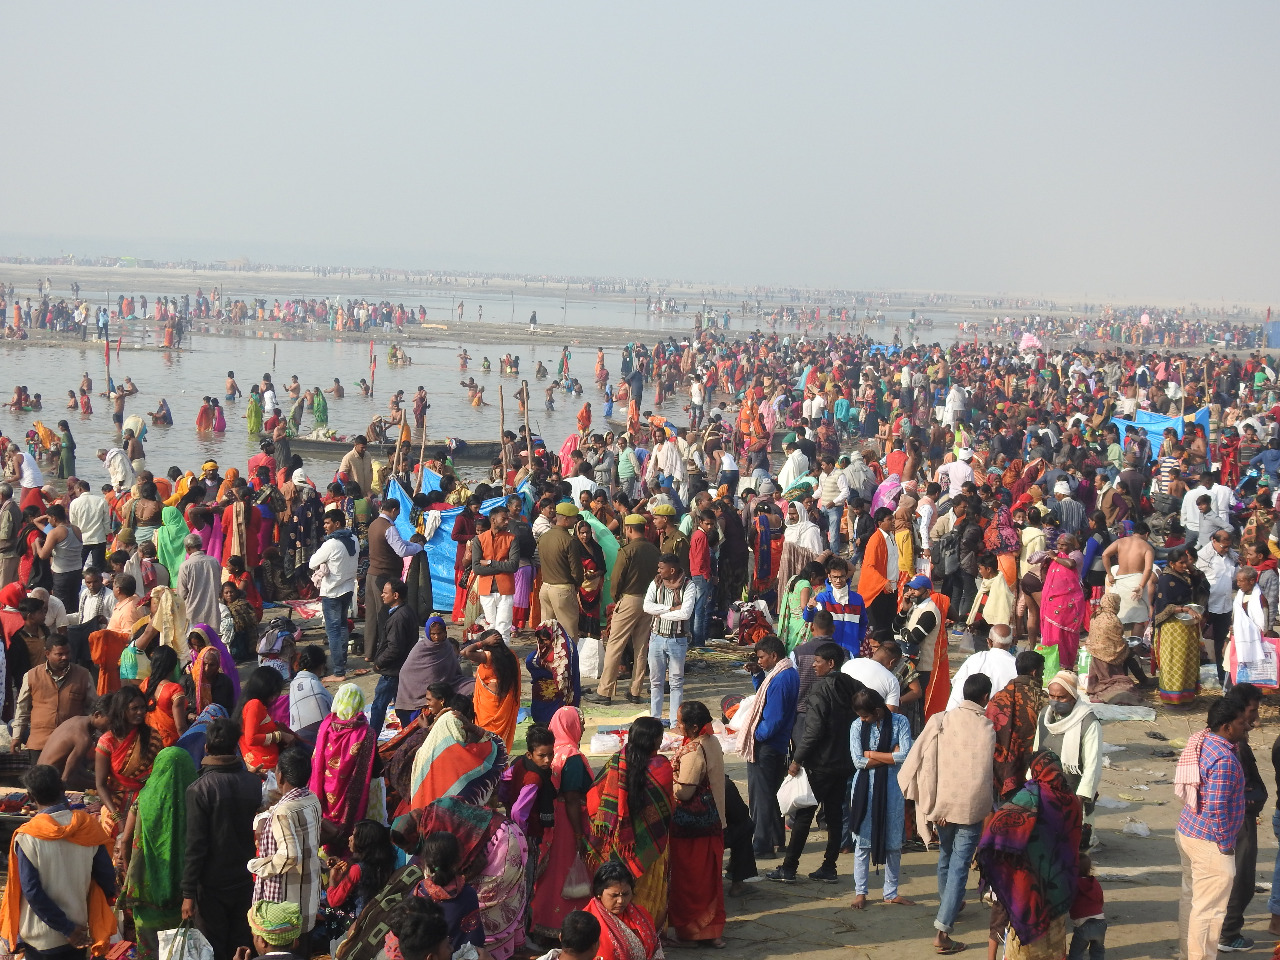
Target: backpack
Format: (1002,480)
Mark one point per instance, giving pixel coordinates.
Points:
(949,551)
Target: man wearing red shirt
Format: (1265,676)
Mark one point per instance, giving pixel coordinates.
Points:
(700,575)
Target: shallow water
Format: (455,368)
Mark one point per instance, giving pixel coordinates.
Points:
(184,377)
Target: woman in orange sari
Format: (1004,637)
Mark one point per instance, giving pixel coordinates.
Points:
(584,419)
(166,700)
(123,756)
(497,693)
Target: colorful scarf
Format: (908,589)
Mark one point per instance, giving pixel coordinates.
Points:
(558,663)
(170,549)
(614,830)
(344,749)
(446,765)
(567,726)
(1014,712)
(83,830)
(203,687)
(1030,848)
(153,885)
(227,661)
(473,826)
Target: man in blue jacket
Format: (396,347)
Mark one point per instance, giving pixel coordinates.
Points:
(763,739)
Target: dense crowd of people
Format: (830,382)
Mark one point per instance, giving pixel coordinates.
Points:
(854,516)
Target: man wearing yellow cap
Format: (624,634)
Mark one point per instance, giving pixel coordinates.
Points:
(559,555)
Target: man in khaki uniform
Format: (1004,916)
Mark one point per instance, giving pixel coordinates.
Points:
(559,555)
(633,571)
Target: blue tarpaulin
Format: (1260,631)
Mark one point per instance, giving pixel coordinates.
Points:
(1155,424)
(441,550)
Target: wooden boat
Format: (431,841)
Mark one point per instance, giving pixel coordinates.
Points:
(480,450)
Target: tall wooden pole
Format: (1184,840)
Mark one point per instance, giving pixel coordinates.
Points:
(528,434)
(422,456)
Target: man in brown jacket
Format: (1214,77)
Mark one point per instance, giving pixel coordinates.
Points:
(52,692)
(387,551)
(633,571)
(948,775)
(559,555)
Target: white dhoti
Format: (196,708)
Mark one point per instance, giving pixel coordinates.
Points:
(1132,610)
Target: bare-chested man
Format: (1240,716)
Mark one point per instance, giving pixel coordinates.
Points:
(337,389)
(70,746)
(1133,557)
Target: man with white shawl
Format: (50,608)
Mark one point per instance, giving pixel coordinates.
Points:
(795,467)
(953,409)
(1249,617)
(764,736)
(1069,727)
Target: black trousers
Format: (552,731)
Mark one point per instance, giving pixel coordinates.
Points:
(1242,886)
(881,610)
(738,831)
(224,919)
(830,792)
(764,777)
(1219,629)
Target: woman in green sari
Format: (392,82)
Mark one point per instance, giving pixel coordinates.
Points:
(254,414)
(152,845)
(169,541)
(792,630)
(320,408)
(66,451)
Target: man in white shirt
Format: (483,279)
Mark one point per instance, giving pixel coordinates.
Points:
(998,663)
(956,474)
(338,554)
(1220,495)
(55,611)
(874,672)
(91,515)
(96,601)
(1190,513)
(119,469)
(585,480)
(1218,563)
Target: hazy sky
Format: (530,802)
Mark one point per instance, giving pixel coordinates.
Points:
(1095,148)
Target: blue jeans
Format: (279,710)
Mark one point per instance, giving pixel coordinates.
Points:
(1274,903)
(700,622)
(383,694)
(835,515)
(956,843)
(862,868)
(666,653)
(1089,934)
(335,628)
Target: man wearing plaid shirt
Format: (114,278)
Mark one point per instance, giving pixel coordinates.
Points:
(287,867)
(1207,831)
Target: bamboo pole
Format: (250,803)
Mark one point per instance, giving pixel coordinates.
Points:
(502,431)
(528,434)
(422,455)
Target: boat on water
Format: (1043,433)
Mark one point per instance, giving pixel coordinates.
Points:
(336,449)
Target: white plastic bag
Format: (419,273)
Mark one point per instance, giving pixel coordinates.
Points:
(184,943)
(796,793)
(590,658)
(605,744)
(744,710)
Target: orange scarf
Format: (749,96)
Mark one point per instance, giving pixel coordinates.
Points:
(83,830)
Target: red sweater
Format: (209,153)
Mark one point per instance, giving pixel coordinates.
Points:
(1088,901)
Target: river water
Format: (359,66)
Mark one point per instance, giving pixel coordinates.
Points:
(184,377)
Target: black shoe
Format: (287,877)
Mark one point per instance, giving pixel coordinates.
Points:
(635,699)
(781,875)
(825,875)
(596,698)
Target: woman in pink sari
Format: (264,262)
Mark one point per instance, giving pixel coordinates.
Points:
(571,776)
(1062,604)
(345,751)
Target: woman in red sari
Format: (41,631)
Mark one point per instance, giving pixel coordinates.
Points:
(124,756)
(697,831)
(1229,456)
(627,932)
(345,753)
(766,541)
(571,777)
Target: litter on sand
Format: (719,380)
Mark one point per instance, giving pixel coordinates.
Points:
(1111,803)
(1112,747)
(1135,828)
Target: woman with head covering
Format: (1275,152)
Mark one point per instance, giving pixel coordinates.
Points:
(458,759)
(767,543)
(433,659)
(553,672)
(571,777)
(792,628)
(697,830)
(169,541)
(319,408)
(202,635)
(253,416)
(1176,647)
(154,841)
(904,517)
(228,485)
(591,592)
(345,752)
(166,700)
(207,685)
(630,806)
(1108,653)
(801,544)
(300,530)
(1062,603)
(1029,855)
